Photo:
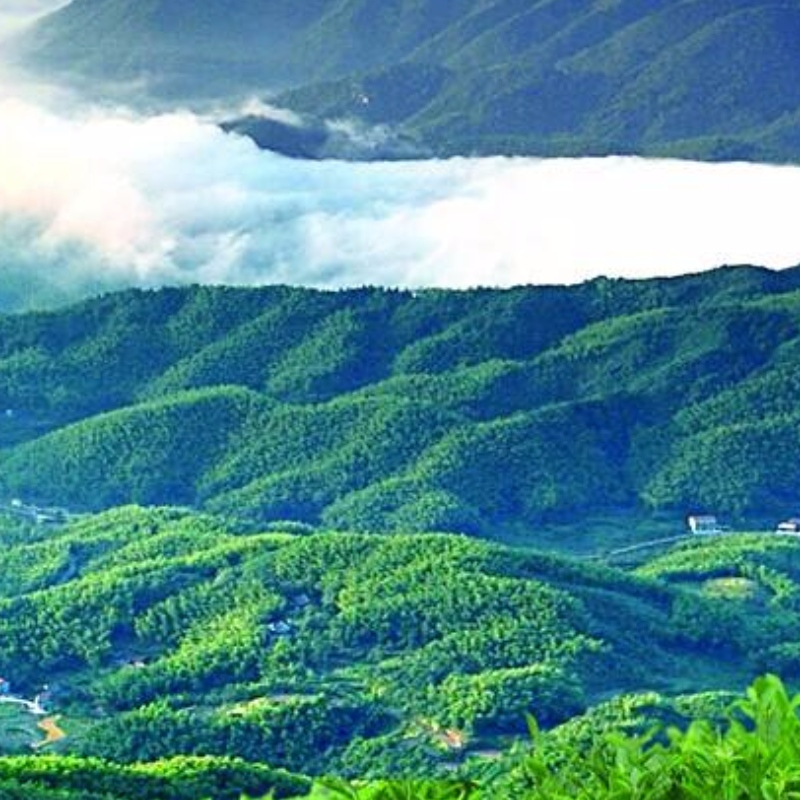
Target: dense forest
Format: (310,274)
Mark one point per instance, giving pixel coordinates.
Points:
(368,543)
(751,752)
(280,543)
(483,412)
(183,658)
(710,80)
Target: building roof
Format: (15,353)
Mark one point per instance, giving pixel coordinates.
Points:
(700,518)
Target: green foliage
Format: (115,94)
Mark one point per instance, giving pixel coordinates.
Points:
(60,778)
(155,452)
(384,410)
(400,790)
(166,633)
(754,752)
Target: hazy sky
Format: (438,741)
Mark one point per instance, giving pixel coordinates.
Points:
(16,13)
(172,198)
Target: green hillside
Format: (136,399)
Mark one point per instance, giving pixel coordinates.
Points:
(710,80)
(486,412)
(164,634)
(745,746)
(70,778)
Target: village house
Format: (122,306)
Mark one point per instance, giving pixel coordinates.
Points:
(41,516)
(703,524)
(790,526)
(280,628)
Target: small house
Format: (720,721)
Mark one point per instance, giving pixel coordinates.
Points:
(703,524)
(280,628)
(791,526)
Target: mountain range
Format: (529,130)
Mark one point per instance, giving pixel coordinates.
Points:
(430,542)
(477,412)
(712,80)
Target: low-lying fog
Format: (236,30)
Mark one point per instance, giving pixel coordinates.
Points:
(103,193)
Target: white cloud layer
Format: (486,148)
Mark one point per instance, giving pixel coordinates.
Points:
(171,198)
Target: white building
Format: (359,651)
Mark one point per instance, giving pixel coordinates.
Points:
(703,524)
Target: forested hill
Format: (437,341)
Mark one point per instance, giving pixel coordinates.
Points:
(166,635)
(712,80)
(435,410)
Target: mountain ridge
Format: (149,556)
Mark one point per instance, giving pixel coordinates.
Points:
(693,79)
(464,411)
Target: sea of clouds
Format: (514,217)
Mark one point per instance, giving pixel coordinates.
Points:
(107,194)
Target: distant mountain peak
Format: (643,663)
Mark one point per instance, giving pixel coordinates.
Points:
(715,81)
